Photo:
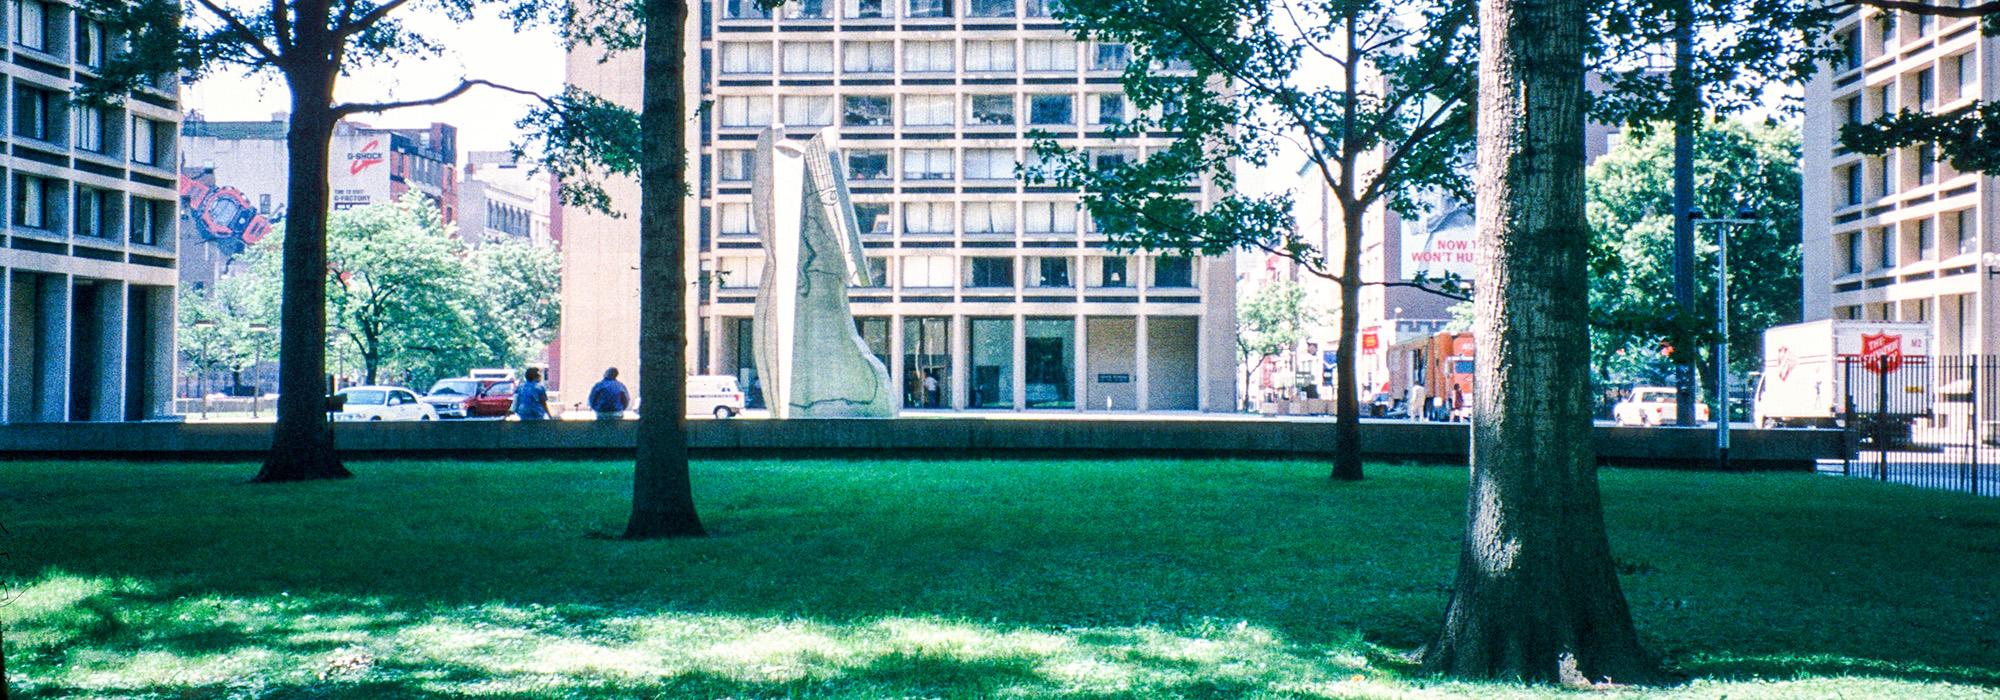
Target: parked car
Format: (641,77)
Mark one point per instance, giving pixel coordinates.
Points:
(471,397)
(380,403)
(1653,405)
(714,395)
(1384,405)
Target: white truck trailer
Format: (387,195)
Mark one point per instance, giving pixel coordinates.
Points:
(1828,373)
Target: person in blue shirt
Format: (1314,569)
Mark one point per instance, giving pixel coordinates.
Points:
(531,401)
(609,397)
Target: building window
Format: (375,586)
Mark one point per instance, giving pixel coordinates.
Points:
(989,217)
(744,9)
(808,57)
(989,56)
(1049,362)
(1968,232)
(927,110)
(1110,57)
(1854,253)
(1852,106)
(96,213)
(1110,109)
(878,277)
(865,9)
(738,272)
(1108,159)
(1049,217)
(1043,8)
(927,164)
(1885,170)
(1173,271)
(1850,49)
(743,111)
(927,271)
(1968,73)
(991,345)
(929,8)
(1885,27)
(33,206)
(1051,272)
(1046,55)
(734,164)
(1887,247)
(34,25)
(989,164)
(872,217)
(91,124)
(38,113)
(808,110)
(739,57)
(90,44)
(989,272)
(867,110)
(1926,164)
(1850,177)
(1926,89)
(927,217)
(151,220)
(735,218)
(806,9)
(1051,110)
(1110,272)
(990,8)
(990,110)
(927,56)
(870,164)
(868,57)
(926,359)
(1926,239)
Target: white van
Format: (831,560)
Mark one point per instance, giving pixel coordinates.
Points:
(714,395)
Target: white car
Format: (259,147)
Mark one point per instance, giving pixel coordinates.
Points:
(1654,405)
(714,395)
(380,403)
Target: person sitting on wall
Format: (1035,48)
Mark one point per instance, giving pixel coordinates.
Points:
(609,397)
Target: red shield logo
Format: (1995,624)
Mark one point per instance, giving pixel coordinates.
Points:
(1786,362)
(1881,353)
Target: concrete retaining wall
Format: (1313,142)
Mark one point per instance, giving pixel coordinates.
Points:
(1430,442)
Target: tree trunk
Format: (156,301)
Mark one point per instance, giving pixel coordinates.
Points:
(302,441)
(1537,597)
(1347,420)
(662,497)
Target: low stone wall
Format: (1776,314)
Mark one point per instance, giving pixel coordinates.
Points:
(912,438)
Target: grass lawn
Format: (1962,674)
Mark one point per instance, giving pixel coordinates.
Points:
(869,579)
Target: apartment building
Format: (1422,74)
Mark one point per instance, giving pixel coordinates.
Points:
(989,294)
(87,259)
(1903,236)
(502,199)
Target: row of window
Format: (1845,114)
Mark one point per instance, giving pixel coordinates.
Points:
(926,165)
(48,205)
(44,27)
(1916,241)
(1917,90)
(941,218)
(878,111)
(1883,34)
(508,219)
(47,115)
(887,9)
(1880,177)
(981,56)
(991,271)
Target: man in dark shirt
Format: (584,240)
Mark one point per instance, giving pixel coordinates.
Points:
(609,397)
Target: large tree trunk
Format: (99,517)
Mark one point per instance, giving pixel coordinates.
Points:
(662,497)
(1347,409)
(302,441)
(1537,597)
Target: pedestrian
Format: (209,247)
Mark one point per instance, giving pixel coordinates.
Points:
(531,400)
(609,397)
(1418,402)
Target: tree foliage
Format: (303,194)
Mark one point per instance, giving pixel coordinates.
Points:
(1270,321)
(1738,165)
(1967,137)
(219,326)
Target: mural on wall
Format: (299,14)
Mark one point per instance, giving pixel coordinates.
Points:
(220,215)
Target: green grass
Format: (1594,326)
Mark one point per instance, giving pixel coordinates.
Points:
(866,579)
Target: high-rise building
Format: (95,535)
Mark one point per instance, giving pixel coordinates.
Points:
(1902,236)
(87,258)
(988,293)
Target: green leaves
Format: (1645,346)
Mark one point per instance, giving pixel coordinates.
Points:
(1968,137)
(582,138)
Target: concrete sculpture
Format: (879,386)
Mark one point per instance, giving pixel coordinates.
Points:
(811,362)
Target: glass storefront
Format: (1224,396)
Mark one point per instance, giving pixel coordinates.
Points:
(926,361)
(992,378)
(743,355)
(1050,362)
(874,331)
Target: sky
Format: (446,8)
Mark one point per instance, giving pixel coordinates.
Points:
(487,47)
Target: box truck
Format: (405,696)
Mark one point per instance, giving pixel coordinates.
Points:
(1835,372)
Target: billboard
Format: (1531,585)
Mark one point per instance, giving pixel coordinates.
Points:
(1441,240)
(359,173)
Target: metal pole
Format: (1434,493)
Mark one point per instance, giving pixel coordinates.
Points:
(1686,96)
(1722,346)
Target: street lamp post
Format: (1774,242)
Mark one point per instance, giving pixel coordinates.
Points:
(201,368)
(256,365)
(1744,216)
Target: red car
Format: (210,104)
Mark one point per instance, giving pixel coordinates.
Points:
(467,397)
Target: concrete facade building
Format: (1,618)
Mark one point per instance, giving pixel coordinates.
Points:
(87,258)
(501,198)
(1904,236)
(992,294)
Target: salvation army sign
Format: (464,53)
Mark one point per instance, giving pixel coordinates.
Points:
(1881,353)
